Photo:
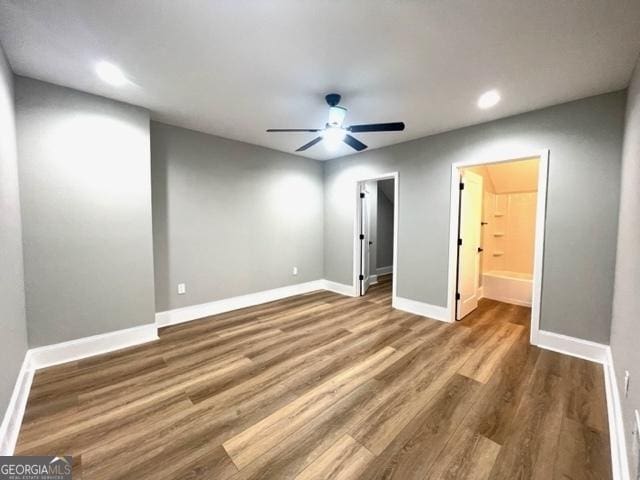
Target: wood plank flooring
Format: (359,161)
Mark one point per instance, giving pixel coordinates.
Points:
(324,386)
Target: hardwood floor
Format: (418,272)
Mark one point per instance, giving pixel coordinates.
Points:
(325,386)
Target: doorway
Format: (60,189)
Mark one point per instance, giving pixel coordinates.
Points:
(497,234)
(375,246)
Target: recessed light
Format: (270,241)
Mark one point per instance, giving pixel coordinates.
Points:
(110,74)
(488,99)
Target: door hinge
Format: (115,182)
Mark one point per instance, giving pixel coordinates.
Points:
(362,236)
(459,241)
(461,186)
(361,277)
(361,195)
(457,296)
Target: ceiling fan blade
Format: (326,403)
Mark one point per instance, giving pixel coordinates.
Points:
(293,130)
(377,127)
(310,144)
(354,143)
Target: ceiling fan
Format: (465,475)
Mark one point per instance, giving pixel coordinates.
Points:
(334,133)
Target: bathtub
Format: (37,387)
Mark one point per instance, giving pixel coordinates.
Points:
(508,287)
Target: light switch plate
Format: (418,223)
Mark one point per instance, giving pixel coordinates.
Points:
(295,270)
(182,288)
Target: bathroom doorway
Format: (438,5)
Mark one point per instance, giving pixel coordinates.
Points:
(497,234)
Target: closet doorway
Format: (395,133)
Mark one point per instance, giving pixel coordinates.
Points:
(375,243)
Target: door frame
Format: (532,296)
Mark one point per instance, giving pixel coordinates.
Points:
(541,214)
(357,252)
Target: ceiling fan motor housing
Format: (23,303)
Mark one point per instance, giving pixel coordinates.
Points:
(333,99)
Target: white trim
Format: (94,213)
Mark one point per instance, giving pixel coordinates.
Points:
(396,222)
(420,308)
(12,421)
(617,439)
(538,254)
(541,212)
(341,288)
(384,270)
(599,353)
(373,279)
(49,355)
(193,312)
(512,301)
(575,347)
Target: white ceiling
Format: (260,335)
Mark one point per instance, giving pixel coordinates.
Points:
(237,67)
(520,176)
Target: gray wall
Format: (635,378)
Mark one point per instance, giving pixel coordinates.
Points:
(625,327)
(231,218)
(585,140)
(85,190)
(12,310)
(384,251)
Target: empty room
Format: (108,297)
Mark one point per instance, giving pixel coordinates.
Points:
(295,239)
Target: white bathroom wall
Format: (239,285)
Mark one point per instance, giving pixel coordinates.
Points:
(510,231)
(487,215)
(509,213)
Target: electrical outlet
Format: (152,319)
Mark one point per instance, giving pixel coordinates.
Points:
(182,288)
(295,270)
(627,377)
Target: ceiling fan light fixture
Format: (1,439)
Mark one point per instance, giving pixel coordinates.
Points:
(333,137)
(334,133)
(336,116)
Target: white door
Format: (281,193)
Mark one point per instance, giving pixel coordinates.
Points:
(469,235)
(365,238)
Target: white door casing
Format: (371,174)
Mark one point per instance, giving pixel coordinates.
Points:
(502,156)
(357,188)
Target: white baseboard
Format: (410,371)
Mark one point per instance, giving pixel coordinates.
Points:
(512,301)
(420,308)
(193,312)
(373,279)
(597,352)
(575,347)
(384,270)
(57,353)
(341,288)
(12,421)
(49,355)
(617,439)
